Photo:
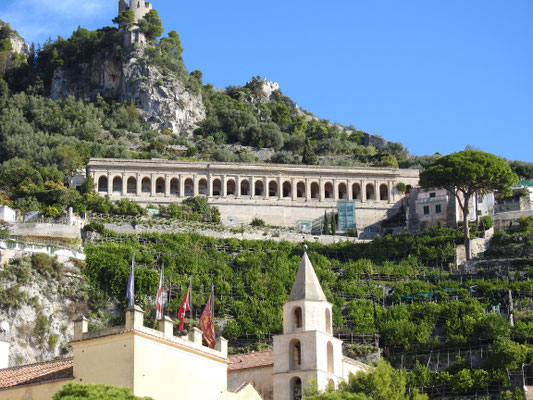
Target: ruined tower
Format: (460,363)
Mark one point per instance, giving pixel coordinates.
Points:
(132,34)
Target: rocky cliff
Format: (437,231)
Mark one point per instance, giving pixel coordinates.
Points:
(17,42)
(39,298)
(165,102)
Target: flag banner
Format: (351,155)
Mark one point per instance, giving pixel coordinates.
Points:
(185,304)
(159,299)
(131,283)
(207,324)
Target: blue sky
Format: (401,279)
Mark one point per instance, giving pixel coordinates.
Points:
(434,75)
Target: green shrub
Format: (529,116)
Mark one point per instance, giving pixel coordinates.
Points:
(486,222)
(257,222)
(52,341)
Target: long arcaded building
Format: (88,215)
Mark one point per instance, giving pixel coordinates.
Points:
(279,194)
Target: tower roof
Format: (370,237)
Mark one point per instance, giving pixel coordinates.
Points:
(306,285)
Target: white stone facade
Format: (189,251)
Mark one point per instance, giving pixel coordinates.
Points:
(279,194)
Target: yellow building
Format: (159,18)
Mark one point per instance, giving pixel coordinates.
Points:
(158,364)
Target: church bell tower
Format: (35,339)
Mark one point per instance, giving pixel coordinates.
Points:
(307,349)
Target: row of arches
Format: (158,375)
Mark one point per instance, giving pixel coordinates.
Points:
(245,189)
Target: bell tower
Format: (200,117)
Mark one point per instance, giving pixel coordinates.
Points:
(306,349)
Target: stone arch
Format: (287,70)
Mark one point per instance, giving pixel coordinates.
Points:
(315,190)
(131,185)
(217,187)
(117,184)
(146,185)
(245,187)
(287,189)
(328,190)
(408,188)
(328,321)
(175,186)
(300,189)
(295,388)
(202,187)
(230,187)
(331,384)
(259,189)
(160,186)
(356,191)
(342,192)
(331,368)
(189,187)
(273,189)
(370,195)
(102,184)
(383,192)
(295,354)
(297,318)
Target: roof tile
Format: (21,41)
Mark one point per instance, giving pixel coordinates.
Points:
(251,360)
(36,373)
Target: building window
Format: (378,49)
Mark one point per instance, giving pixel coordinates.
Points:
(433,194)
(438,209)
(426,210)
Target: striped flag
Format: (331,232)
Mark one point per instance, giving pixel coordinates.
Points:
(131,283)
(207,322)
(159,298)
(185,305)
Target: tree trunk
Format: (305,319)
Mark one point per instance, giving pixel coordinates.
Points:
(466,228)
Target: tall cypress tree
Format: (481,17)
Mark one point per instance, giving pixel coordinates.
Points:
(333,225)
(309,156)
(326,224)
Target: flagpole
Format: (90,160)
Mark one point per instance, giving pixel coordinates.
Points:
(190,303)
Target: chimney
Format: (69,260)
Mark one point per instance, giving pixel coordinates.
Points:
(195,336)
(134,317)
(221,345)
(166,325)
(81,326)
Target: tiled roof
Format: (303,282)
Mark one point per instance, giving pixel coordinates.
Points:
(35,373)
(251,360)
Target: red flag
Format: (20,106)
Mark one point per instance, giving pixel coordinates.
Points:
(183,309)
(206,323)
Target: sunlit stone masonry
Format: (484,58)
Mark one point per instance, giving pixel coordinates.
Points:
(283,195)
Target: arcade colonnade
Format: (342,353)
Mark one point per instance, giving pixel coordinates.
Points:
(170,181)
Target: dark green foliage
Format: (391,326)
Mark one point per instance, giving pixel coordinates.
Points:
(257,222)
(191,209)
(80,391)
(151,25)
(325,229)
(334,224)
(125,18)
(309,156)
(128,207)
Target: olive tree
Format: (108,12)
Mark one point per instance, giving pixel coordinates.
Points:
(466,173)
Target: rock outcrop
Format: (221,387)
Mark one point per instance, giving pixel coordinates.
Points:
(165,102)
(19,44)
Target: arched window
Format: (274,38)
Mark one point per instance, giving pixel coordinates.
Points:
(273,188)
(295,354)
(315,191)
(217,187)
(259,188)
(245,188)
(297,318)
(370,192)
(328,321)
(328,190)
(102,184)
(189,187)
(202,187)
(138,4)
(230,187)
(356,191)
(131,185)
(160,186)
(331,385)
(383,192)
(287,189)
(295,388)
(300,189)
(342,191)
(146,185)
(117,184)
(330,358)
(175,186)
(408,188)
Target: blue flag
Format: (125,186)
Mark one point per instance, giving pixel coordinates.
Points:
(131,282)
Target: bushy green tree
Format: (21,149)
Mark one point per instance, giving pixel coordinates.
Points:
(466,173)
(125,18)
(151,25)
(80,391)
